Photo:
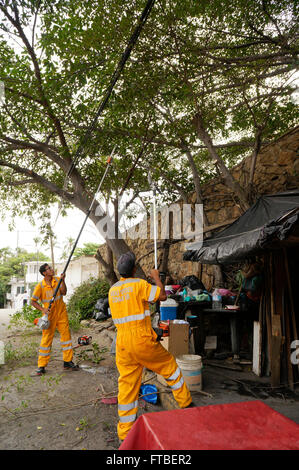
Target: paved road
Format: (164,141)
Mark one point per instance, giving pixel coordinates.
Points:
(5,318)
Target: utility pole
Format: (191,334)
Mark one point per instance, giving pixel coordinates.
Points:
(18,241)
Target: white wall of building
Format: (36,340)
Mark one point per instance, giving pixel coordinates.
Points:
(78,271)
(17,295)
(32,272)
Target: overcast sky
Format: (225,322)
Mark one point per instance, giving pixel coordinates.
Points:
(69,226)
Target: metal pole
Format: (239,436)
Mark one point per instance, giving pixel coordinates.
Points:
(109,161)
(150,181)
(155,230)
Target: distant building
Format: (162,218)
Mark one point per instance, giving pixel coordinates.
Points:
(32,272)
(16,293)
(19,291)
(78,271)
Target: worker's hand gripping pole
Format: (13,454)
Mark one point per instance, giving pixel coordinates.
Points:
(109,162)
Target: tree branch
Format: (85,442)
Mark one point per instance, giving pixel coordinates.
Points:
(37,146)
(39,180)
(44,101)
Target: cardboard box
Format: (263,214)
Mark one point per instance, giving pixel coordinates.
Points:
(177,343)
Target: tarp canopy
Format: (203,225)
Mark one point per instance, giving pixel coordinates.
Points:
(272,218)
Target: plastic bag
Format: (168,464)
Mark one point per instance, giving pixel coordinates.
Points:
(192,282)
(101,309)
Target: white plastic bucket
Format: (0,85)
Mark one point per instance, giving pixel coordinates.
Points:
(191,367)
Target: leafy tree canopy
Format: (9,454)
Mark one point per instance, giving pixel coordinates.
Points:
(207,84)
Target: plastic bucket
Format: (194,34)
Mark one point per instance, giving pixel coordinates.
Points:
(191,367)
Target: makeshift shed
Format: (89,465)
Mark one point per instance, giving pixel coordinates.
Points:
(269,229)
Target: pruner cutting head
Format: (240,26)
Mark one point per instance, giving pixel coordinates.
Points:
(110,159)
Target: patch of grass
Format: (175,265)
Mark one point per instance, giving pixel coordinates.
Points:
(24,316)
(83,423)
(26,351)
(105,426)
(95,356)
(74,321)
(97,353)
(52,381)
(22,381)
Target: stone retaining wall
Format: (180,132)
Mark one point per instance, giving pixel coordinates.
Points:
(277,169)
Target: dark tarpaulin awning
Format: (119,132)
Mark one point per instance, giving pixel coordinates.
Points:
(272,217)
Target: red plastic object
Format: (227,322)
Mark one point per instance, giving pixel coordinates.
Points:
(250,425)
(109,401)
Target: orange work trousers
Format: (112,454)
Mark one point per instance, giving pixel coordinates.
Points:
(58,320)
(135,349)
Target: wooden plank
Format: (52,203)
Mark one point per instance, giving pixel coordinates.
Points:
(256,356)
(275,333)
(289,285)
(279,277)
(288,348)
(268,314)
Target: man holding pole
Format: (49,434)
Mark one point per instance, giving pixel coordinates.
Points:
(57,316)
(136,345)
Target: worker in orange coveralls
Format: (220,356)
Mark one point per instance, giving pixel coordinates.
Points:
(136,345)
(57,316)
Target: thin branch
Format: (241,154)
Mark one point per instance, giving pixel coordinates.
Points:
(39,180)
(34,23)
(37,146)
(21,183)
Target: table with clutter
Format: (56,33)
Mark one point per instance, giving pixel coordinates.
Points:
(190,301)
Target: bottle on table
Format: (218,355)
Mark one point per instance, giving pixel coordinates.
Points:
(216,300)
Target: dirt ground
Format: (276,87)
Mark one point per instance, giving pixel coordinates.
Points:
(64,410)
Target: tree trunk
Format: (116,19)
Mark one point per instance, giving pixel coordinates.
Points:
(107,265)
(218,276)
(118,246)
(228,178)
(164,265)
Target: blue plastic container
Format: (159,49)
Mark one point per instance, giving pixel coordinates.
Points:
(150,389)
(168,313)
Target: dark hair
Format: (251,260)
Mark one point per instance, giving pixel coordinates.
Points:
(126,264)
(43,268)
(128,273)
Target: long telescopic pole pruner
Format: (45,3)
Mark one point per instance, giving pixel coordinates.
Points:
(155,219)
(109,161)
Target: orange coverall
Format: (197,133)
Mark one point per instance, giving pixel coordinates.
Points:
(136,348)
(58,319)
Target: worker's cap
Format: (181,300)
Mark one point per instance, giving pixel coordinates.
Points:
(126,263)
